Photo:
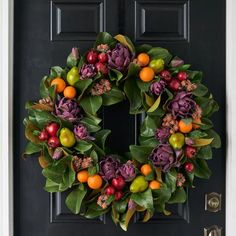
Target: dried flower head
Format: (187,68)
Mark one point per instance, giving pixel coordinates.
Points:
(101,87)
(171,123)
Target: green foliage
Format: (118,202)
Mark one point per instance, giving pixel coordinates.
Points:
(112,97)
(160,53)
(140,153)
(143,199)
(91,104)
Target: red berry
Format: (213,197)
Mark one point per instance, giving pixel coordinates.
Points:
(52,129)
(92,57)
(53,142)
(118,195)
(189,167)
(174,84)
(190,151)
(102,68)
(118,183)
(43,136)
(166,75)
(110,190)
(102,57)
(182,75)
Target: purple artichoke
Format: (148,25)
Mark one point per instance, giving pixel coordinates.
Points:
(127,171)
(68,110)
(162,134)
(158,87)
(58,153)
(81,132)
(182,105)
(109,167)
(163,156)
(119,58)
(75,53)
(87,71)
(175,62)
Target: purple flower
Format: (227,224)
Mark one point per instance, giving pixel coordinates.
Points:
(109,167)
(163,156)
(68,110)
(119,58)
(87,71)
(75,53)
(162,134)
(81,132)
(131,204)
(158,87)
(182,105)
(175,62)
(127,171)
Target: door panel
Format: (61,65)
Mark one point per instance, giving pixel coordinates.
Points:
(45,31)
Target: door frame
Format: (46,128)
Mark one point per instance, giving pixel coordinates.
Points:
(6,117)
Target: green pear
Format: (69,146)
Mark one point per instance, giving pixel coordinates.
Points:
(73,76)
(177,140)
(157,65)
(139,184)
(67,138)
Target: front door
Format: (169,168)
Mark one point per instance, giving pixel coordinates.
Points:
(44,33)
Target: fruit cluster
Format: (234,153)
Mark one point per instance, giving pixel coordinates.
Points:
(176,135)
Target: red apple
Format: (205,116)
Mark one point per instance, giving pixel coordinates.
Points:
(43,136)
(174,84)
(118,195)
(118,183)
(189,167)
(53,142)
(190,151)
(92,57)
(102,68)
(110,190)
(102,57)
(182,75)
(52,129)
(166,75)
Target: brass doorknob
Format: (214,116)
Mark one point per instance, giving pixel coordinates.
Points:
(213,233)
(213,202)
(213,230)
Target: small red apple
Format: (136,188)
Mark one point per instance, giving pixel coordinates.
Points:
(190,151)
(182,75)
(166,75)
(174,84)
(118,183)
(110,190)
(52,129)
(189,167)
(102,68)
(92,57)
(53,142)
(118,195)
(43,136)
(102,57)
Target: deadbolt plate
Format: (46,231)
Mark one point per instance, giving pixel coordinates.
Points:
(213,202)
(213,230)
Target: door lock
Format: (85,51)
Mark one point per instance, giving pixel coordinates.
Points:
(213,230)
(213,202)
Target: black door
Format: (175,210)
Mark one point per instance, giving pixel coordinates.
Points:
(45,31)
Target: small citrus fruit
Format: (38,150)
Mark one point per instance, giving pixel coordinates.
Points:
(69,92)
(196,123)
(143,59)
(146,74)
(60,84)
(154,184)
(146,169)
(185,126)
(95,181)
(82,176)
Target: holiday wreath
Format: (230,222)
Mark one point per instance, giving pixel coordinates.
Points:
(176,136)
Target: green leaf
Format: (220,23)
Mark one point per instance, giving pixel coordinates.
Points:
(140,153)
(82,86)
(91,104)
(148,141)
(104,38)
(208,105)
(200,91)
(133,71)
(45,84)
(179,196)
(199,142)
(143,199)
(101,136)
(143,86)
(197,134)
(162,195)
(112,97)
(57,71)
(125,41)
(155,105)
(90,124)
(170,179)
(201,169)
(128,217)
(32,148)
(120,206)
(195,76)
(206,124)
(51,186)
(143,48)
(216,143)
(149,126)
(82,146)
(75,198)
(204,153)
(115,75)
(30,128)
(71,61)
(160,53)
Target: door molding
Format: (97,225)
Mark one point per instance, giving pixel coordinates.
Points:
(6,117)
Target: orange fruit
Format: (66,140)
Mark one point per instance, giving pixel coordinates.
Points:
(95,181)
(143,59)
(185,126)
(69,92)
(60,84)
(82,176)
(146,74)
(146,169)
(154,184)
(196,123)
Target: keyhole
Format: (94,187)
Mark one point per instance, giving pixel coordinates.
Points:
(213,202)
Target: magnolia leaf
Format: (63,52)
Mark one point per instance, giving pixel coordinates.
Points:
(170,179)
(125,41)
(160,53)
(201,169)
(199,142)
(114,215)
(91,104)
(31,148)
(43,162)
(101,136)
(149,100)
(29,129)
(112,97)
(90,124)
(128,216)
(148,215)
(143,199)
(140,153)
(104,38)
(158,174)
(204,153)
(155,105)
(179,196)
(82,146)
(43,107)
(216,143)
(51,186)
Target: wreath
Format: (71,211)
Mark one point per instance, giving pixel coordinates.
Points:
(175,140)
